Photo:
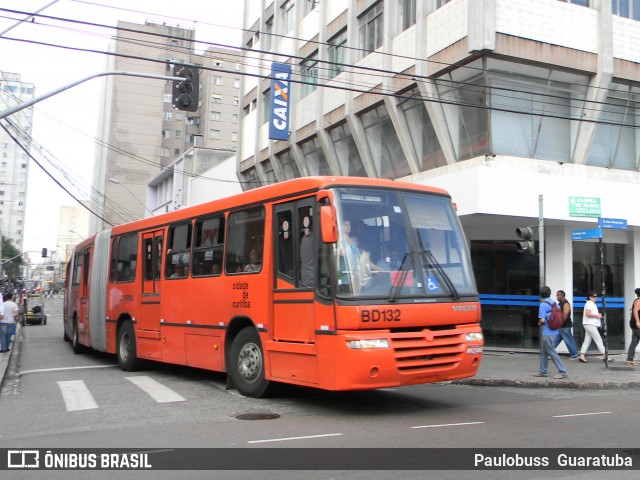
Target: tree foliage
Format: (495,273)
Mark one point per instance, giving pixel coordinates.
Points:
(9,250)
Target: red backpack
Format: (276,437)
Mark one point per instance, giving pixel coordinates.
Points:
(556,320)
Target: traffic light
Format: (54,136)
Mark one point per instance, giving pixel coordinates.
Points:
(44,253)
(526,244)
(185,91)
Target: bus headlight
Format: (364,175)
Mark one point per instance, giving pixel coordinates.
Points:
(474,337)
(368,343)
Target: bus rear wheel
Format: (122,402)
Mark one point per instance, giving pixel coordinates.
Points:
(76,346)
(247,364)
(127,351)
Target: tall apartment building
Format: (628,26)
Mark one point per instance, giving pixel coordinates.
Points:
(519,109)
(14,162)
(141,131)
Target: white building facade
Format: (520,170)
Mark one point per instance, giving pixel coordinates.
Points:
(516,107)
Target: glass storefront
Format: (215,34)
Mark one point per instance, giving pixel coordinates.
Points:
(508,284)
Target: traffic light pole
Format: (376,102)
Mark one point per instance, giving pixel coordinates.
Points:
(33,101)
(541,242)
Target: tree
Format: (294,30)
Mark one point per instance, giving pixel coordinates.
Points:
(12,268)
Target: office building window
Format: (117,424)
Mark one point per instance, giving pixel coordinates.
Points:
(288,164)
(267,170)
(309,74)
(214,134)
(266,105)
(268,33)
(371,28)
(234,136)
(167,98)
(178,134)
(215,116)
(407,13)
(217,80)
(234,118)
(168,116)
(216,98)
(314,157)
(309,5)
(626,8)
(346,151)
(236,101)
(337,51)
(236,83)
(585,3)
(286,13)
(164,152)
(251,179)
(166,134)
(386,152)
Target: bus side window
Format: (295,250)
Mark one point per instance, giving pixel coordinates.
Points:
(178,260)
(127,258)
(208,239)
(245,233)
(114,260)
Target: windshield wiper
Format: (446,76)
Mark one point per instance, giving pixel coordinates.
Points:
(399,282)
(431,260)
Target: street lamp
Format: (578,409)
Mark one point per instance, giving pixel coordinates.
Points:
(118,182)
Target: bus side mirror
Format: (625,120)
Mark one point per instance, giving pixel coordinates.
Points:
(328,224)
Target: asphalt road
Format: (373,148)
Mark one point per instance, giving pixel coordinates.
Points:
(53,398)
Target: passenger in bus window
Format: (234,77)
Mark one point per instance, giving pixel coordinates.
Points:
(307,270)
(255,261)
(178,271)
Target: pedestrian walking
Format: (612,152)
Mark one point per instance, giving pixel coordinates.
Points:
(566,333)
(634,323)
(591,322)
(548,337)
(7,323)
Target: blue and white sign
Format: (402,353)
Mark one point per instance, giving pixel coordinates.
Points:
(279,116)
(432,285)
(613,223)
(587,234)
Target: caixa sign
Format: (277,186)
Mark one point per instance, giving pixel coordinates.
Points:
(279,117)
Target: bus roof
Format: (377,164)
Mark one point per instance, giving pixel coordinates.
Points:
(268,193)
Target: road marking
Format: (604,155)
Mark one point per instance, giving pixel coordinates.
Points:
(580,414)
(296,438)
(76,395)
(60,369)
(448,425)
(156,390)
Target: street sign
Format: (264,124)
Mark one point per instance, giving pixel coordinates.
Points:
(587,234)
(613,223)
(584,207)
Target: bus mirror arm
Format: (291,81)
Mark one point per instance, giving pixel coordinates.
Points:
(328,224)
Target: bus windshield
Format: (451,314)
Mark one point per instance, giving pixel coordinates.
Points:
(400,246)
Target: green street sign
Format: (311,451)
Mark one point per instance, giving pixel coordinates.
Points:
(584,207)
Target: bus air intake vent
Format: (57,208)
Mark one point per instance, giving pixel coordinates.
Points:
(415,352)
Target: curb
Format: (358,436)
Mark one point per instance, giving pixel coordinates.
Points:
(6,359)
(572,384)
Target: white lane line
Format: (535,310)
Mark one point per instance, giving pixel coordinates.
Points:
(580,414)
(296,438)
(156,390)
(60,369)
(76,395)
(448,425)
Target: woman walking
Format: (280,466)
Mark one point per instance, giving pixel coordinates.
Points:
(634,323)
(591,321)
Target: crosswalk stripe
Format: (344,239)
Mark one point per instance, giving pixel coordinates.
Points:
(156,390)
(76,395)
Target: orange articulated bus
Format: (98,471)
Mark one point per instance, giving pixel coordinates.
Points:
(338,283)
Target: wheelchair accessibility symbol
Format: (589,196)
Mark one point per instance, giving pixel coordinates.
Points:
(432,285)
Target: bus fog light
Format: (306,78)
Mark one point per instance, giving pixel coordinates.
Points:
(474,337)
(368,343)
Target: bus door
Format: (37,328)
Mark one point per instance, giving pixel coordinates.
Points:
(85,299)
(294,265)
(151,282)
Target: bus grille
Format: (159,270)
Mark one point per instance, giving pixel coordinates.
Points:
(416,352)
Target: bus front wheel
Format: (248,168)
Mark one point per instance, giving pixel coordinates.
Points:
(127,351)
(247,364)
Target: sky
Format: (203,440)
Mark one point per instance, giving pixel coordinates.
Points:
(66,124)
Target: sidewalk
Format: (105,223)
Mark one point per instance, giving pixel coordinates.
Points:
(505,369)
(5,357)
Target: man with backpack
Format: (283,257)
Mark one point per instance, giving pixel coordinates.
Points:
(565,331)
(548,336)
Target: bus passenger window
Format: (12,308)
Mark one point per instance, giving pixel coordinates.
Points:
(178,261)
(127,258)
(208,239)
(245,241)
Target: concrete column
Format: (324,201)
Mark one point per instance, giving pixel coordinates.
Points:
(482,25)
